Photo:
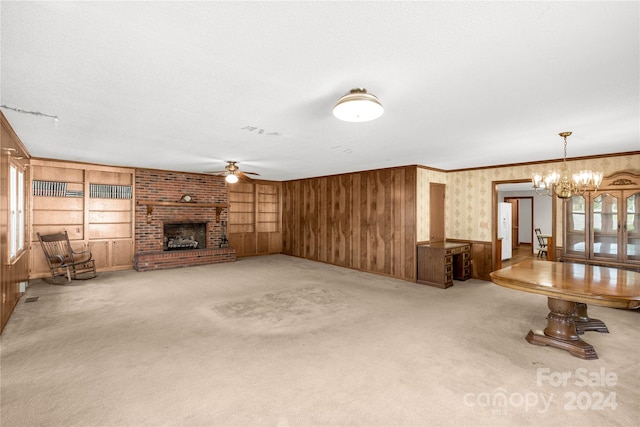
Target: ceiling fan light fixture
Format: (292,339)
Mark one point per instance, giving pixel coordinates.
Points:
(231,178)
(358,106)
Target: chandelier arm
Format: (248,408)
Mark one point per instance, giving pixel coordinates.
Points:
(543,191)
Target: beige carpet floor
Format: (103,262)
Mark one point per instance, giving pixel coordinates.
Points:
(281,341)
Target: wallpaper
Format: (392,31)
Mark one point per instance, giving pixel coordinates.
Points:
(425,176)
(469,194)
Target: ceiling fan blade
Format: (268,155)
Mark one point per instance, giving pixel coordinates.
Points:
(244,177)
(215,172)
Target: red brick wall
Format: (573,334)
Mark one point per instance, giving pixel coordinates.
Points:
(164,186)
(174,259)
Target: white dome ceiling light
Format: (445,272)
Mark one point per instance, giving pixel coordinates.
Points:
(358,106)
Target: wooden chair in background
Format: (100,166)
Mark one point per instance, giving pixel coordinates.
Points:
(542,244)
(63,260)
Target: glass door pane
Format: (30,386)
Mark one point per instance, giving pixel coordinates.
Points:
(575,234)
(605,226)
(632,227)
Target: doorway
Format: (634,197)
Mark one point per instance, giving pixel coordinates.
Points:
(533,211)
(522,220)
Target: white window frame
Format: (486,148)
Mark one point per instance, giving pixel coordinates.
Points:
(16,209)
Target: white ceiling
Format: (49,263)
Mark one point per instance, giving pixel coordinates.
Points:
(186,85)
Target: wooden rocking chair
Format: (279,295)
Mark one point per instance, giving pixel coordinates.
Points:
(63,260)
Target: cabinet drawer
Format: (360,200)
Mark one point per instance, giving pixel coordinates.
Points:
(448,269)
(448,260)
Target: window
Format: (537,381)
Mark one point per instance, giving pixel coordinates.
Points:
(16,210)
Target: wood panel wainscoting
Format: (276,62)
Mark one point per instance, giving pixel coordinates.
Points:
(14,270)
(13,275)
(481,260)
(362,220)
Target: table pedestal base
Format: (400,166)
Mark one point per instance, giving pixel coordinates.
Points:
(585,323)
(561,331)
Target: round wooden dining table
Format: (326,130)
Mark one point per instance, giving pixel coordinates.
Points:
(570,287)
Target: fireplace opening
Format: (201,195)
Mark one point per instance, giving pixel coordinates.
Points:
(184,236)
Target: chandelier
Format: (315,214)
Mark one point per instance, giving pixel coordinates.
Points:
(559,183)
(358,106)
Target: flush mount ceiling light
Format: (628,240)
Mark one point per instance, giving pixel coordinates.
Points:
(358,106)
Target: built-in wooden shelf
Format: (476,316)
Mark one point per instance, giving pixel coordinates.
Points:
(150,204)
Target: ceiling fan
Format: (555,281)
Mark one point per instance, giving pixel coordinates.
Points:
(232,173)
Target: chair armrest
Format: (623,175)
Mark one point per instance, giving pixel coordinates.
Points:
(57,258)
(83,252)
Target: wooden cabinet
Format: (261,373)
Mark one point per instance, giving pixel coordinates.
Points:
(94,204)
(603,227)
(441,262)
(254,218)
(112,254)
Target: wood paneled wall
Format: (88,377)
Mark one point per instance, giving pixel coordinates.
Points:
(16,270)
(364,220)
(481,260)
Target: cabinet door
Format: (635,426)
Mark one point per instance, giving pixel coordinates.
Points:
(100,252)
(122,253)
(605,225)
(631,227)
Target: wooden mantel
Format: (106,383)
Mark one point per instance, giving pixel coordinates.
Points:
(150,204)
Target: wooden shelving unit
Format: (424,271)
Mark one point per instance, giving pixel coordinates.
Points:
(61,197)
(254,218)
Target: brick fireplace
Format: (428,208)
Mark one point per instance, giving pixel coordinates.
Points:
(158,208)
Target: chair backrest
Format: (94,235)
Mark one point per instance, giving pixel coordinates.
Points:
(541,241)
(56,247)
